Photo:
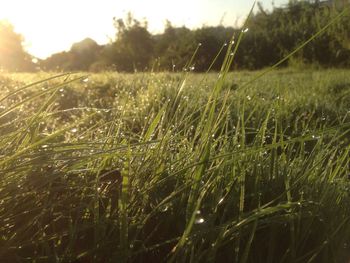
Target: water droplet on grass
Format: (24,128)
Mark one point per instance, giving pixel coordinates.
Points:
(199,221)
(165,208)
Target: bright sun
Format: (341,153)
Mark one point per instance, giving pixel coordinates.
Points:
(52,26)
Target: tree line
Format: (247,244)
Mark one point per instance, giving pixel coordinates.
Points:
(271,36)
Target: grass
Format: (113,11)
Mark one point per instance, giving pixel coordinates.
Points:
(239,167)
(178,168)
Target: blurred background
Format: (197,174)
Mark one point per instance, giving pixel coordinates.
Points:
(130,36)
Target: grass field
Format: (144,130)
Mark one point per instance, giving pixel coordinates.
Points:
(175,167)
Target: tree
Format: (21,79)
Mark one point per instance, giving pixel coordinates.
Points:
(211,40)
(80,57)
(58,62)
(84,54)
(133,48)
(12,54)
(175,47)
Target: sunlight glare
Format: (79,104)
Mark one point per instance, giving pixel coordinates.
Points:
(50,26)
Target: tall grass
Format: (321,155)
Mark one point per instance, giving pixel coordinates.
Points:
(171,167)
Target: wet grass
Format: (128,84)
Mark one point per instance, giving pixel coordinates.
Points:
(175,167)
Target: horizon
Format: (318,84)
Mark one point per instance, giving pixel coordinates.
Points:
(96,19)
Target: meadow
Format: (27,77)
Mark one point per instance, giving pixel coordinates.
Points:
(175,167)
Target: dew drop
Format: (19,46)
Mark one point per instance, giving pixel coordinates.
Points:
(199,221)
(165,208)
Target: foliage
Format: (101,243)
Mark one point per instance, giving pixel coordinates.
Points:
(273,35)
(133,48)
(12,55)
(81,56)
(176,46)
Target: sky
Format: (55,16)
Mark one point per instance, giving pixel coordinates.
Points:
(51,26)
